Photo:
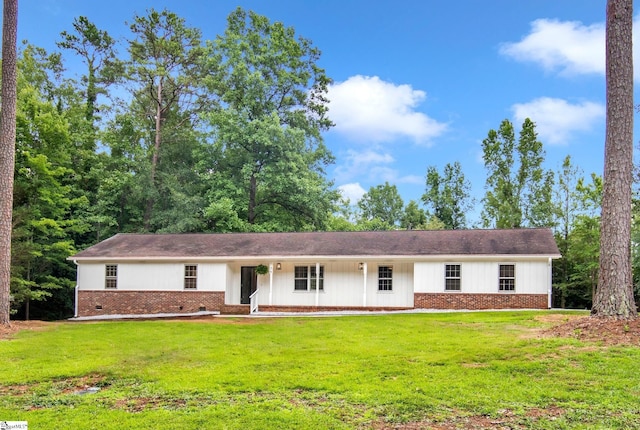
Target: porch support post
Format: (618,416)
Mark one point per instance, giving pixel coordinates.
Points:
(270,283)
(317,284)
(364,285)
(550,288)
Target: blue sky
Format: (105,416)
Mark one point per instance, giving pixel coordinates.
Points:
(416,82)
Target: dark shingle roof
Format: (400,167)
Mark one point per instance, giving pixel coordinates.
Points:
(370,243)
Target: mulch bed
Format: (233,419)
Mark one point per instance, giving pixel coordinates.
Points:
(608,331)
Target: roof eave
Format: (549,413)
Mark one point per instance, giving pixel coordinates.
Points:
(228,258)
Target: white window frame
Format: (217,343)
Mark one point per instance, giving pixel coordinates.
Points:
(506,278)
(310,278)
(111,276)
(385,284)
(190,277)
(448,276)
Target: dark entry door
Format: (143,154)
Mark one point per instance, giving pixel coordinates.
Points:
(248,283)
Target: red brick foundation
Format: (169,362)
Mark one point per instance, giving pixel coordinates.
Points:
(480,301)
(92,303)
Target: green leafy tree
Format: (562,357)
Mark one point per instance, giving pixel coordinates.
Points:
(583,252)
(566,201)
(343,216)
(577,273)
(448,195)
(97,50)
(268,126)
(614,295)
(46,200)
(167,67)
(381,207)
(413,217)
(519,189)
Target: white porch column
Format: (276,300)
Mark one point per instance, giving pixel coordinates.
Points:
(364,284)
(270,283)
(317,284)
(550,289)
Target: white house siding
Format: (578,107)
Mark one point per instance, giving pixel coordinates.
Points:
(152,276)
(532,276)
(343,285)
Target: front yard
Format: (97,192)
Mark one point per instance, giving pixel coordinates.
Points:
(402,371)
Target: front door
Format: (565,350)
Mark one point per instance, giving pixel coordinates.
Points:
(248,283)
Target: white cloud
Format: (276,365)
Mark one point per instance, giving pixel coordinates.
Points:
(556,119)
(353,192)
(371,110)
(387,174)
(371,165)
(568,47)
(359,163)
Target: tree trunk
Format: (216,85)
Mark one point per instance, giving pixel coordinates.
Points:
(614,293)
(253,187)
(156,155)
(7,149)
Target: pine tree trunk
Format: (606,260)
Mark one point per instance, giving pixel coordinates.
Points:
(7,149)
(155,157)
(614,293)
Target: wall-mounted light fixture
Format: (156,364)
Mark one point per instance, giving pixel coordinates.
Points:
(360,266)
(278,266)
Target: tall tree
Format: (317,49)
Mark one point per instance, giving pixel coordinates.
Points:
(7,148)
(566,202)
(97,50)
(45,201)
(519,189)
(381,207)
(167,63)
(614,295)
(268,126)
(448,195)
(576,274)
(413,217)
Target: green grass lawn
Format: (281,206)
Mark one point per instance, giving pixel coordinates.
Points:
(455,370)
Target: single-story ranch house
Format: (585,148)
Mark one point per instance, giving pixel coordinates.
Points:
(316,271)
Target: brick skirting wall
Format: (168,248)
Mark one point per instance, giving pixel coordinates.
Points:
(480,301)
(274,308)
(118,302)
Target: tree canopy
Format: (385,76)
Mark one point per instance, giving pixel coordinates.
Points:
(167,132)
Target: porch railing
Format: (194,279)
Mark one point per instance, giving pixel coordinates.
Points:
(253,301)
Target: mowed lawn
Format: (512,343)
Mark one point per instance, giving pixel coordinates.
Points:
(449,370)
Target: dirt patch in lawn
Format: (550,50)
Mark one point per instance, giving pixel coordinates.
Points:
(6,332)
(505,419)
(606,330)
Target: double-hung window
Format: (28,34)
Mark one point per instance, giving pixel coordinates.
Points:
(111,276)
(305,278)
(452,277)
(385,278)
(190,276)
(507,278)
